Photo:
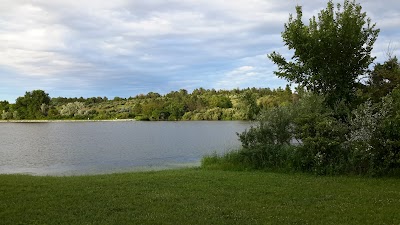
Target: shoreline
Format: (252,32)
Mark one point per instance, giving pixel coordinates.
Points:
(63,121)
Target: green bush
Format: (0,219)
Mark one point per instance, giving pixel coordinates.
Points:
(274,127)
(331,140)
(322,133)
(374,136)
(267,145)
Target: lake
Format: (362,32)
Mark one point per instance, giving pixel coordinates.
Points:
(77,148)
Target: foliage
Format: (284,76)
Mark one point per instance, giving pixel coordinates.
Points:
(4,106)
(220,101)
(72,109)
(336,134)
(29,106)
(6,115)
(274,127)
(374,139)
(383,79)
(266,145)
(322,136)
(303,136)
(248,102)
(330,53)
(330,141)
(201,104)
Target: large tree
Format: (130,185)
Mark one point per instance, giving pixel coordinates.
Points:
(331,53)
(384,78)
(30,106)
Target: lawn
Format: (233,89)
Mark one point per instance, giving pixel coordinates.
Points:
(198,196)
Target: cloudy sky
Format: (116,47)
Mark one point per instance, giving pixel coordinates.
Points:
(127,47)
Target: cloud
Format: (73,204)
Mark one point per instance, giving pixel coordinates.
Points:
(124,47)
(32,44)
(254,71)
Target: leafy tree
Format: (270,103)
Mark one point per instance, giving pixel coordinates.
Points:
(53,113)
(220,101)
(29,106)
(137,109)
(4,110)
(4,105)
(155,105)
(176,110)
(72,109)
(248,104)
(195,102)
(384,78)
(153,95)
(116,98)
(330,53)
(6,115)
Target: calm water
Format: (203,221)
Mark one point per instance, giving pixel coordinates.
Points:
(106,147)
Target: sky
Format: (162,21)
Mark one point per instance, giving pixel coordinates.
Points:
(122,48)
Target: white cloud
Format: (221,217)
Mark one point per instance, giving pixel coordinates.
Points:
(31,42)
(259,74)
(154,45)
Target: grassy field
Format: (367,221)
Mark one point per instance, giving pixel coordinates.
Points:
(196,196)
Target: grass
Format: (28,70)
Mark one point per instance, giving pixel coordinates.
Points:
(199,196)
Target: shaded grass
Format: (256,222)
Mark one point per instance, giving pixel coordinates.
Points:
(198,196)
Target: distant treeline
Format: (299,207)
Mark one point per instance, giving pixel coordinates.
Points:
(201,104)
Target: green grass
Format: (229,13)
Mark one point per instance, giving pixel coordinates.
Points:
(198,196)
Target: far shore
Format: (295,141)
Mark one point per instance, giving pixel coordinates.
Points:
(63,121)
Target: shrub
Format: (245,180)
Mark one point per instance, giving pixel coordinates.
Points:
(267,145)
(366,140)
(6,115)
(331,140)
(72,109)
(322,135)
(274,127)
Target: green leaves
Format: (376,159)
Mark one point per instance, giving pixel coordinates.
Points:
(330,53)
(29,106)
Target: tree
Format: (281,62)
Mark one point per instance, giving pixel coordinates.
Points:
(29,106)
(176,110)
(153,95)
(331,53)
(4,106)
(72,109)
(248,104)
(220,101)
(6,115)
(384,78)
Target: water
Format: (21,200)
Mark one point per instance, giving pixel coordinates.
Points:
(107,147)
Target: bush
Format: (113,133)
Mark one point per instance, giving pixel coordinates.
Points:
(274,127)
(267,145)
(331,140)
(374,139)
(6,115)
(322,134)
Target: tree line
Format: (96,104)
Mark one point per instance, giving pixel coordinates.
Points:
(201,104)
